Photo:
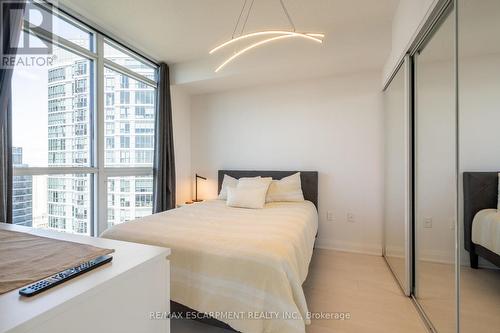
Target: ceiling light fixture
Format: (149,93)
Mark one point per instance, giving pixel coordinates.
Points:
(265,41)
(282,34)
(315,37)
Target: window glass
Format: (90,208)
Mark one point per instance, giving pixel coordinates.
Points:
(125,59)
(129,198)
(22,193)
(57,202)
(133,134)
(124,142)
(60,26)
(52,125)
(143,112)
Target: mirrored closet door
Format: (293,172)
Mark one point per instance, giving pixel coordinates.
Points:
(479,164)
(435,172)
(449,258)
(397,152)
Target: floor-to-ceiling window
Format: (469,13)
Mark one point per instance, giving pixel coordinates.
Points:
(83,129)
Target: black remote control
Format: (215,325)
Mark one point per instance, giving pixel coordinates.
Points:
(63,276)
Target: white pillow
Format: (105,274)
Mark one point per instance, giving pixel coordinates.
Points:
(246,197)
(254,182)
(286,189)
(498,204)
(229,181)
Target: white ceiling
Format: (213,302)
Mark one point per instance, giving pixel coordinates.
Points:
(181,32)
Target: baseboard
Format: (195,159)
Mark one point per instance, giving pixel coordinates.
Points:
(395,252)
(370,249)
(438,257)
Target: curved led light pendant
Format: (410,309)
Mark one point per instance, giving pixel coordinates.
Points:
(315,37)
(282,34)
(265,41)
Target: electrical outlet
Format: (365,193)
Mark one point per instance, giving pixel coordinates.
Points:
(428,222)
(350,218)
(330,216)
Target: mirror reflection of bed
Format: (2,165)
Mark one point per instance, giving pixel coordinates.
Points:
(480,274)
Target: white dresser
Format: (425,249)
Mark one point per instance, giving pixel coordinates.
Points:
(118,297)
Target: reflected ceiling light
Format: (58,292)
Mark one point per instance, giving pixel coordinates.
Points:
(282,34)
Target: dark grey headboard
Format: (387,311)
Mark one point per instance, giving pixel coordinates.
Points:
(480,192)
(309,180)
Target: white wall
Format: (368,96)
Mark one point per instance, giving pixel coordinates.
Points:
(181,123)
(332,125)
(479,113)
(409,16)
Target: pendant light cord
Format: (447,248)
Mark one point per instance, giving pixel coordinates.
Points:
(246,18)
(239,19)
(287,14)
(248,15)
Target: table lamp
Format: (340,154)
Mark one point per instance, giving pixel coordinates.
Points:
(196,188)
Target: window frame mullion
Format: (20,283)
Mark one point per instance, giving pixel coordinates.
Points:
(41,171)
(101,191)
(59,41)
(128,171)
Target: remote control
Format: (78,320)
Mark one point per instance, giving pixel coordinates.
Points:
(63,276)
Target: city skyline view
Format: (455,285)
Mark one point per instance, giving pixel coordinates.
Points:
(54,128)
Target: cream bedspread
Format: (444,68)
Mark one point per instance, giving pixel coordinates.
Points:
(486,229)
(244,266)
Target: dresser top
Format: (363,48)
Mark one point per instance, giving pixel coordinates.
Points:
(16,310)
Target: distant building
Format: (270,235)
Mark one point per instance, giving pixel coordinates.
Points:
(129,132)
(22,193)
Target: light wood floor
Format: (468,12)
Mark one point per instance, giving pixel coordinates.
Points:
(479,300)
(361,285)
(479,297)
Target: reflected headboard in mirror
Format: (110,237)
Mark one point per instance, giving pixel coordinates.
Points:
(308,179)
(480,192)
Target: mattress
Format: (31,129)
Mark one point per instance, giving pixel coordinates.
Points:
(486,229)
(243,266)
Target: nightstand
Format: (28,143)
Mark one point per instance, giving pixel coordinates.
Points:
(187,203)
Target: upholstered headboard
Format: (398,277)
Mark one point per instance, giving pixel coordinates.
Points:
(309,180)
(480,192)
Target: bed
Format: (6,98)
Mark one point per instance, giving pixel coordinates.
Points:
(481,217)
(243,267)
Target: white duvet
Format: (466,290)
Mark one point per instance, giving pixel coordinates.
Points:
(486,229)
(244,266)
